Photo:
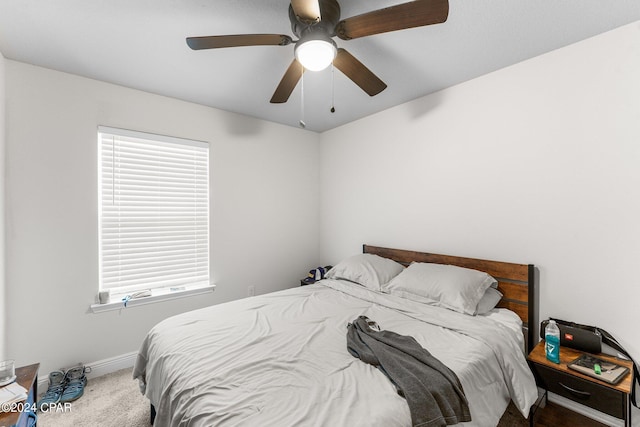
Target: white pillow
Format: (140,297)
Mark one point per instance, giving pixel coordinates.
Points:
(368,270)
(489,300)
(456,288)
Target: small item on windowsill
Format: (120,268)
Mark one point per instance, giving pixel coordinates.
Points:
(104,296)
(141,294)
(136,295)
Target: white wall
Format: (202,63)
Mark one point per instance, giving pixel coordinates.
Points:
(3,311)
(264,210)
(536,163)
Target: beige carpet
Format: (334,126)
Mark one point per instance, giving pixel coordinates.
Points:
(115,400)
(109,400)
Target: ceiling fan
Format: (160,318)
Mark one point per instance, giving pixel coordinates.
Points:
(316,22)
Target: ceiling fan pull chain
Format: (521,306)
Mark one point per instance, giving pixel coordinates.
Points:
(333,89)
(301,122)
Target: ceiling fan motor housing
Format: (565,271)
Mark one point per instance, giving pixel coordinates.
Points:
(329,14)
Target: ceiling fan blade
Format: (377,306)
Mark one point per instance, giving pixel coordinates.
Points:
(307,11)
(407,15)
(288,83)
(214,42)
(356,71)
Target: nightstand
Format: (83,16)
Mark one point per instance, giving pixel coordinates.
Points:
(27,377)
(611,399)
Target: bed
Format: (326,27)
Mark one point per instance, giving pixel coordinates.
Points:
(280,359)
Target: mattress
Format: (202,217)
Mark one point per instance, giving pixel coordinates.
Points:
(280,359)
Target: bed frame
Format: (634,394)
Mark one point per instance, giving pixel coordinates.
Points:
(515,281)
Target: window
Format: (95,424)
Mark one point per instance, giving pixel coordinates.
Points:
(153,212)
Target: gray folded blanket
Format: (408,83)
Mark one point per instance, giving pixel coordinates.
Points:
(432,390)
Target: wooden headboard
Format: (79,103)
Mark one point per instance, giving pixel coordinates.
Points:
(515,281)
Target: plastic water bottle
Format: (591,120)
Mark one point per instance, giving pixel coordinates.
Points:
(552,341)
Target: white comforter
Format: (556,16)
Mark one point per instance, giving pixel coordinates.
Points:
(281,360)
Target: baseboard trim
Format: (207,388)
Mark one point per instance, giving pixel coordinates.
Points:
(98,369)
(586,411)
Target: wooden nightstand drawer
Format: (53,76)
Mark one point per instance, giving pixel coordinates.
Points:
(588,393)
(612,399)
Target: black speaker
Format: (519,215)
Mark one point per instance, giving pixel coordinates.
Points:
(577,338)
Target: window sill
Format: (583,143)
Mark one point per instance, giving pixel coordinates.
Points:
(160,297)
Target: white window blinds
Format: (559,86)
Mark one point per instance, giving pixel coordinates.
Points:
(154,211)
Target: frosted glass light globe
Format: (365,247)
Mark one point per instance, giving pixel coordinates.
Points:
(316,55)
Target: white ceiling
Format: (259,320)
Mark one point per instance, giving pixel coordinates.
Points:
(141,44)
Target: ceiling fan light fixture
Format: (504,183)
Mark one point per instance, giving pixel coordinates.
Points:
(316,54)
